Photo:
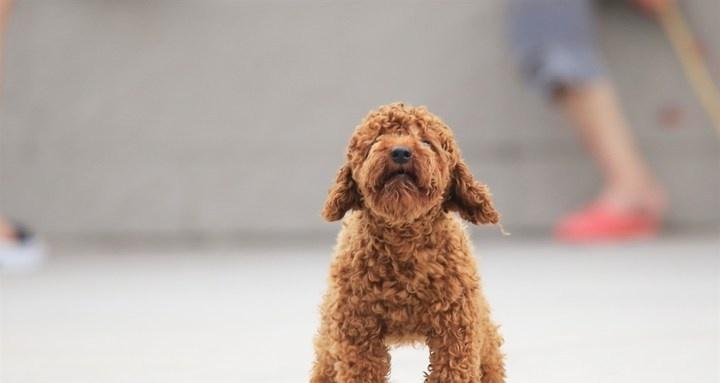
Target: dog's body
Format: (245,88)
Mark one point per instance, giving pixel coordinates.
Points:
(403,270)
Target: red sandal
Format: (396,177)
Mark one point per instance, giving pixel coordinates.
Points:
(604,223)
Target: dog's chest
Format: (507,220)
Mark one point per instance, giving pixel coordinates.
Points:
(402,280)
(403,286)
(404,289)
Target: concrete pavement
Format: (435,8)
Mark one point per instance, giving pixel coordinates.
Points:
(645,312)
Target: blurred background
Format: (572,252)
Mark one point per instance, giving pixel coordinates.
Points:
(229,119)
(174,156)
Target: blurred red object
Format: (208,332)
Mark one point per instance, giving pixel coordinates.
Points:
(671,116)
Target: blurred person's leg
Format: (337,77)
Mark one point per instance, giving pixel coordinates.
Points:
(7,232)
(19,250)
(555,45)
(593,109)
(4,14)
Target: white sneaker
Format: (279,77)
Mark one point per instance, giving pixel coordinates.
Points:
(21,256)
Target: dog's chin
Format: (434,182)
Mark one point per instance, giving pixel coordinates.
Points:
(399,179)
(400,199)
(400,208)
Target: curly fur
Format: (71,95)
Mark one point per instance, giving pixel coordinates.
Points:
(403,270)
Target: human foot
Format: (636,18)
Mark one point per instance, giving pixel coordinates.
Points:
(615,216)
(20,250)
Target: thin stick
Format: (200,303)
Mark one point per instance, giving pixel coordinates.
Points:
(696,70)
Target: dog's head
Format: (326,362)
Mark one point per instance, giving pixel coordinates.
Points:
(402,162)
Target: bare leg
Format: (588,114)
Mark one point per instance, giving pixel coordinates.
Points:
(593,109)
(4,13)
(7,233)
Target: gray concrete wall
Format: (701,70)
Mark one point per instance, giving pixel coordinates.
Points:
(221,117)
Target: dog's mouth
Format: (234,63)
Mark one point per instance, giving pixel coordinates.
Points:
(399,175)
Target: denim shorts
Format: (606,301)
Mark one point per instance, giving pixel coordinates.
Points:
(554,42)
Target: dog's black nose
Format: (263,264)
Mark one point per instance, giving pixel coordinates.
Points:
(400,154)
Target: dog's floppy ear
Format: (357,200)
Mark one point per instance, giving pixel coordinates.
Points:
(343,196)
(471,199)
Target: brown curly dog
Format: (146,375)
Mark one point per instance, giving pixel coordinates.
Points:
(403,270)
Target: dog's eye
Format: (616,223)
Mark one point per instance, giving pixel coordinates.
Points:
(427,144)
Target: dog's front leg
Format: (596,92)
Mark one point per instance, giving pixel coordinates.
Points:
(366,362)
(454,351)
(362,356)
